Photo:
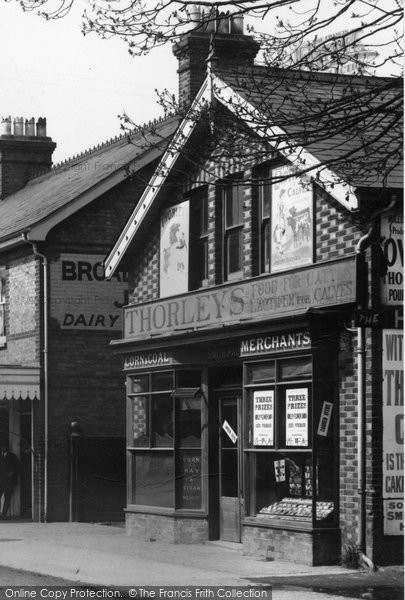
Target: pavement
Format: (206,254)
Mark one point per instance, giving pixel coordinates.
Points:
(104,555)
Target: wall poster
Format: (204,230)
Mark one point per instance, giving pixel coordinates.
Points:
(392,232)
(174,250)
(296,417)
(393,431)
(291,221)
(263,418)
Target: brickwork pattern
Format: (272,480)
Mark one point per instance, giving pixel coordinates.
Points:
(166,528)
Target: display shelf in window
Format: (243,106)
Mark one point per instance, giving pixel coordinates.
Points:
(297,509)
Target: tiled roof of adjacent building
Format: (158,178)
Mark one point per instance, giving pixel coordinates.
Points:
(105,165)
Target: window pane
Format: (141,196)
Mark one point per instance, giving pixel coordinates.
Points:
(234,251)
(265,246)
(162,381)
(153,479)
(296,368)
(140,421)
(259,372)
(234,205)
(162,421)
(188,479)
(139,383)
(188,424)
(265,199)
(283,486)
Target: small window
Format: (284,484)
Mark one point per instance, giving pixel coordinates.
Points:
(233,229)
(199,238)
(264,197)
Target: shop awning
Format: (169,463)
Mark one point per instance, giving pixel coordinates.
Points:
(18,382)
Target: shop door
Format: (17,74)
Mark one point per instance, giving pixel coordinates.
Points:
(230,480)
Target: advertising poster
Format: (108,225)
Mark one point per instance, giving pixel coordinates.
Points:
(174,250)
(292,222)
(263,418)
(393,431)
(82,298)
(296,417)
(392,232)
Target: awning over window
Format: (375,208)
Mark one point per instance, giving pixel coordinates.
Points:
(19,383)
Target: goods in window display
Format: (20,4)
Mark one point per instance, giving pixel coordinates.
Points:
(297,509)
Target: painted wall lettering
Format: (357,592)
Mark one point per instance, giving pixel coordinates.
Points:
(80,296)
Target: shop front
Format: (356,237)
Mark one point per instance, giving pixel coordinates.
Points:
(232,427)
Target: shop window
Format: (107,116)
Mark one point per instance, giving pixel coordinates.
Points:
(198,238)
(289,480)
(233,229)
(2,307)
(164,439)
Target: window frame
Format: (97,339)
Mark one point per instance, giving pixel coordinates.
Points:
(232,188)
(3,305)
(199,232)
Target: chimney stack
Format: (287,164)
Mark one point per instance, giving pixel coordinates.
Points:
(25,151)
(234,50)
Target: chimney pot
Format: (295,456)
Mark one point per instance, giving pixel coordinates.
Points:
(5,126)
(19,126)
(237,24)
(30,127)
(41,127)
(223,23)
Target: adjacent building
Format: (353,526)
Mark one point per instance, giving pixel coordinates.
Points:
(262,342)
(62,409)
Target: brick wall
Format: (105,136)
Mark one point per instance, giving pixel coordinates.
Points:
(167,529)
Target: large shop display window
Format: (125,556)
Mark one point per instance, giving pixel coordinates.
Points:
(289,459)
(165,412)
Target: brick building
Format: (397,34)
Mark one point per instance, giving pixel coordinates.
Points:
(262,408)
(58,315)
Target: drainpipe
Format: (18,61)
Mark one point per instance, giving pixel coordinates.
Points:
(45,355)
(361,248)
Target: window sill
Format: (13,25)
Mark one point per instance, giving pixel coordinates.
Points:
(166,512)
(268,523)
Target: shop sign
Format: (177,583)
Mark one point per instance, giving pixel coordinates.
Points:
(393,517)
(263,418)
(275,343)
(81,298)
(292,221)
(296,418)
(174,244)
(393,421)
(256,299)
(149,359)
(392,231)
(324,419)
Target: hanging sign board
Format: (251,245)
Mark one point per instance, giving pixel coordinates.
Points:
(393,429)
(174,244)
(263,418)
(296,417)
(392,232)
(324,419)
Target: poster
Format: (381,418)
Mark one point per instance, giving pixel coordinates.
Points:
(393,430)
(263,418)
(292,221)
(174,250)
(296,417)
(392,233)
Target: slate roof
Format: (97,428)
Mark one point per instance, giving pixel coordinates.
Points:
(334,117)
(47,194)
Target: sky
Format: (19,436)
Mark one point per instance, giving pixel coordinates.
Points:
(79,83)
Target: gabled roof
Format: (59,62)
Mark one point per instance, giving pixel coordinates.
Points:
(50,198)
(260,99)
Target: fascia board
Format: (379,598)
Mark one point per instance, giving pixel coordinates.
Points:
(159,177)
(299,156)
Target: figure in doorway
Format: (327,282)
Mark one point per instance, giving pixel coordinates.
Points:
(9,469)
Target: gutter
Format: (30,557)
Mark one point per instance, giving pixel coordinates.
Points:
(361,247)
(46,377)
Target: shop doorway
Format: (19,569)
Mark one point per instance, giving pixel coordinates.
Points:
(230,468)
